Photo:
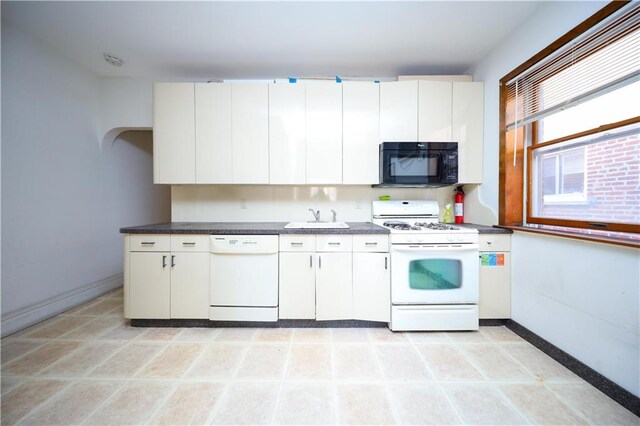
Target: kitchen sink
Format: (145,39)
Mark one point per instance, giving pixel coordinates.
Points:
(316,225)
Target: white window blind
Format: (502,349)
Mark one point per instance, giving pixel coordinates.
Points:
(599,61)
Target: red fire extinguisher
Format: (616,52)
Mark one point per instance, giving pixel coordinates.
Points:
(458,206)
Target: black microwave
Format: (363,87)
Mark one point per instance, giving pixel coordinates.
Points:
(419,163)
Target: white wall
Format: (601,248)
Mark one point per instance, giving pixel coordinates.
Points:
(581,296)
(64,195)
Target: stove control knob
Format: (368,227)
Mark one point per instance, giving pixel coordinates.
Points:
(419,239)
(460,238)
(450,238)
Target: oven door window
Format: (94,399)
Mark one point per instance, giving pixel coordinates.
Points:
(435,274)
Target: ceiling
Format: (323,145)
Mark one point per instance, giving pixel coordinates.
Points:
(255,40)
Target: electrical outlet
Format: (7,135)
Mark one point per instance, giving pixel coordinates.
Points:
(243,203)
(358,204)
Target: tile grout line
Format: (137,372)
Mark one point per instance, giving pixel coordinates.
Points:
(125,383)
(437,382)
(394,413)
(281,386)
(334,385)
(229,382)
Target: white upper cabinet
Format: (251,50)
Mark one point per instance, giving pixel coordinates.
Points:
(250,130)
(434,111)
(174,141)
(360,132)
(467,129)
(287,133)
(213,133)
(399,111)
(323,132)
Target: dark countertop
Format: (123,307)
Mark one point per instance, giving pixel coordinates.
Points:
(483,229)
(246,228)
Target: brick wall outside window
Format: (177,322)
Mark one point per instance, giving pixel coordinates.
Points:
(613,184)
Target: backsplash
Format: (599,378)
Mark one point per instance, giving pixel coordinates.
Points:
(254,203)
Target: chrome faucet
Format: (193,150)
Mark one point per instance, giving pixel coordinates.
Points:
(316,214)
(334,215)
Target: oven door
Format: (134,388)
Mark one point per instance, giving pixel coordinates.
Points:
(434,274)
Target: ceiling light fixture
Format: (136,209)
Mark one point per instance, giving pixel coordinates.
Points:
(113,60)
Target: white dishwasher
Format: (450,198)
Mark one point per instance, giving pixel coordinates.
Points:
(244,278)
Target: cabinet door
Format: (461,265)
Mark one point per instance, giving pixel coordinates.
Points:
(174,140)
(324,132)
(190,285)
(467,129)
(495,287)
(213,133)
(297,286)
(250,130)
(287,133)
(360,132)
(149,285)
(371,287)
(399,111)
(334,286)
(434,111)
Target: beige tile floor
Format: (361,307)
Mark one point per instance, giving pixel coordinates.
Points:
(87,366)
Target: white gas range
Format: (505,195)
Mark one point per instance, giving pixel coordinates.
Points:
(434,268)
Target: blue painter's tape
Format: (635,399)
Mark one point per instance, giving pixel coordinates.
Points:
(338,79)
(293,80)
(376,81)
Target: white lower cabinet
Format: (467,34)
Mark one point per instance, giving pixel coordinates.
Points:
(371,287)
(495,276)
(149,285)
(297,285)
(190,285)
(334,295)
(334,277)
(163,284)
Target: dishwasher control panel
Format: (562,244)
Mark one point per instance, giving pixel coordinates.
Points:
(250,244)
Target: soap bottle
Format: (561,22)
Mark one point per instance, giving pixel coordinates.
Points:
(447,217)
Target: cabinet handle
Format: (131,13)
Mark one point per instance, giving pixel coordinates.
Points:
(489,243)
(386,262)
(188,244)
(310,261)
(319,262)
(296,244)
(173,261)
(334,244)
(148,243)
(370,244)
(164,261)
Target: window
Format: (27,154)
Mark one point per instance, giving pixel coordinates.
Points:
(570,126)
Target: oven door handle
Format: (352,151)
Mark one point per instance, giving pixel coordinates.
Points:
(423,248)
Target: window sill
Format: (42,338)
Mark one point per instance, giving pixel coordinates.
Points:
(574,235)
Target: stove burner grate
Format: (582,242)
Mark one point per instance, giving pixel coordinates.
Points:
(403,226)
(437,226)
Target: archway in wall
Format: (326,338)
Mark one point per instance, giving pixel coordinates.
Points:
(130,197)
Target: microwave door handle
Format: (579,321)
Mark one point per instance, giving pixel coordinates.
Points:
(412,248)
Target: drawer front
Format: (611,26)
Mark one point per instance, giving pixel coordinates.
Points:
(326,243)
(297,242)
(149,242)
(188,242)
(494,242)
(371,243)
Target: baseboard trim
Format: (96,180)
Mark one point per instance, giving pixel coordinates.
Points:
(15,321)
(591,376)
(240,324)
